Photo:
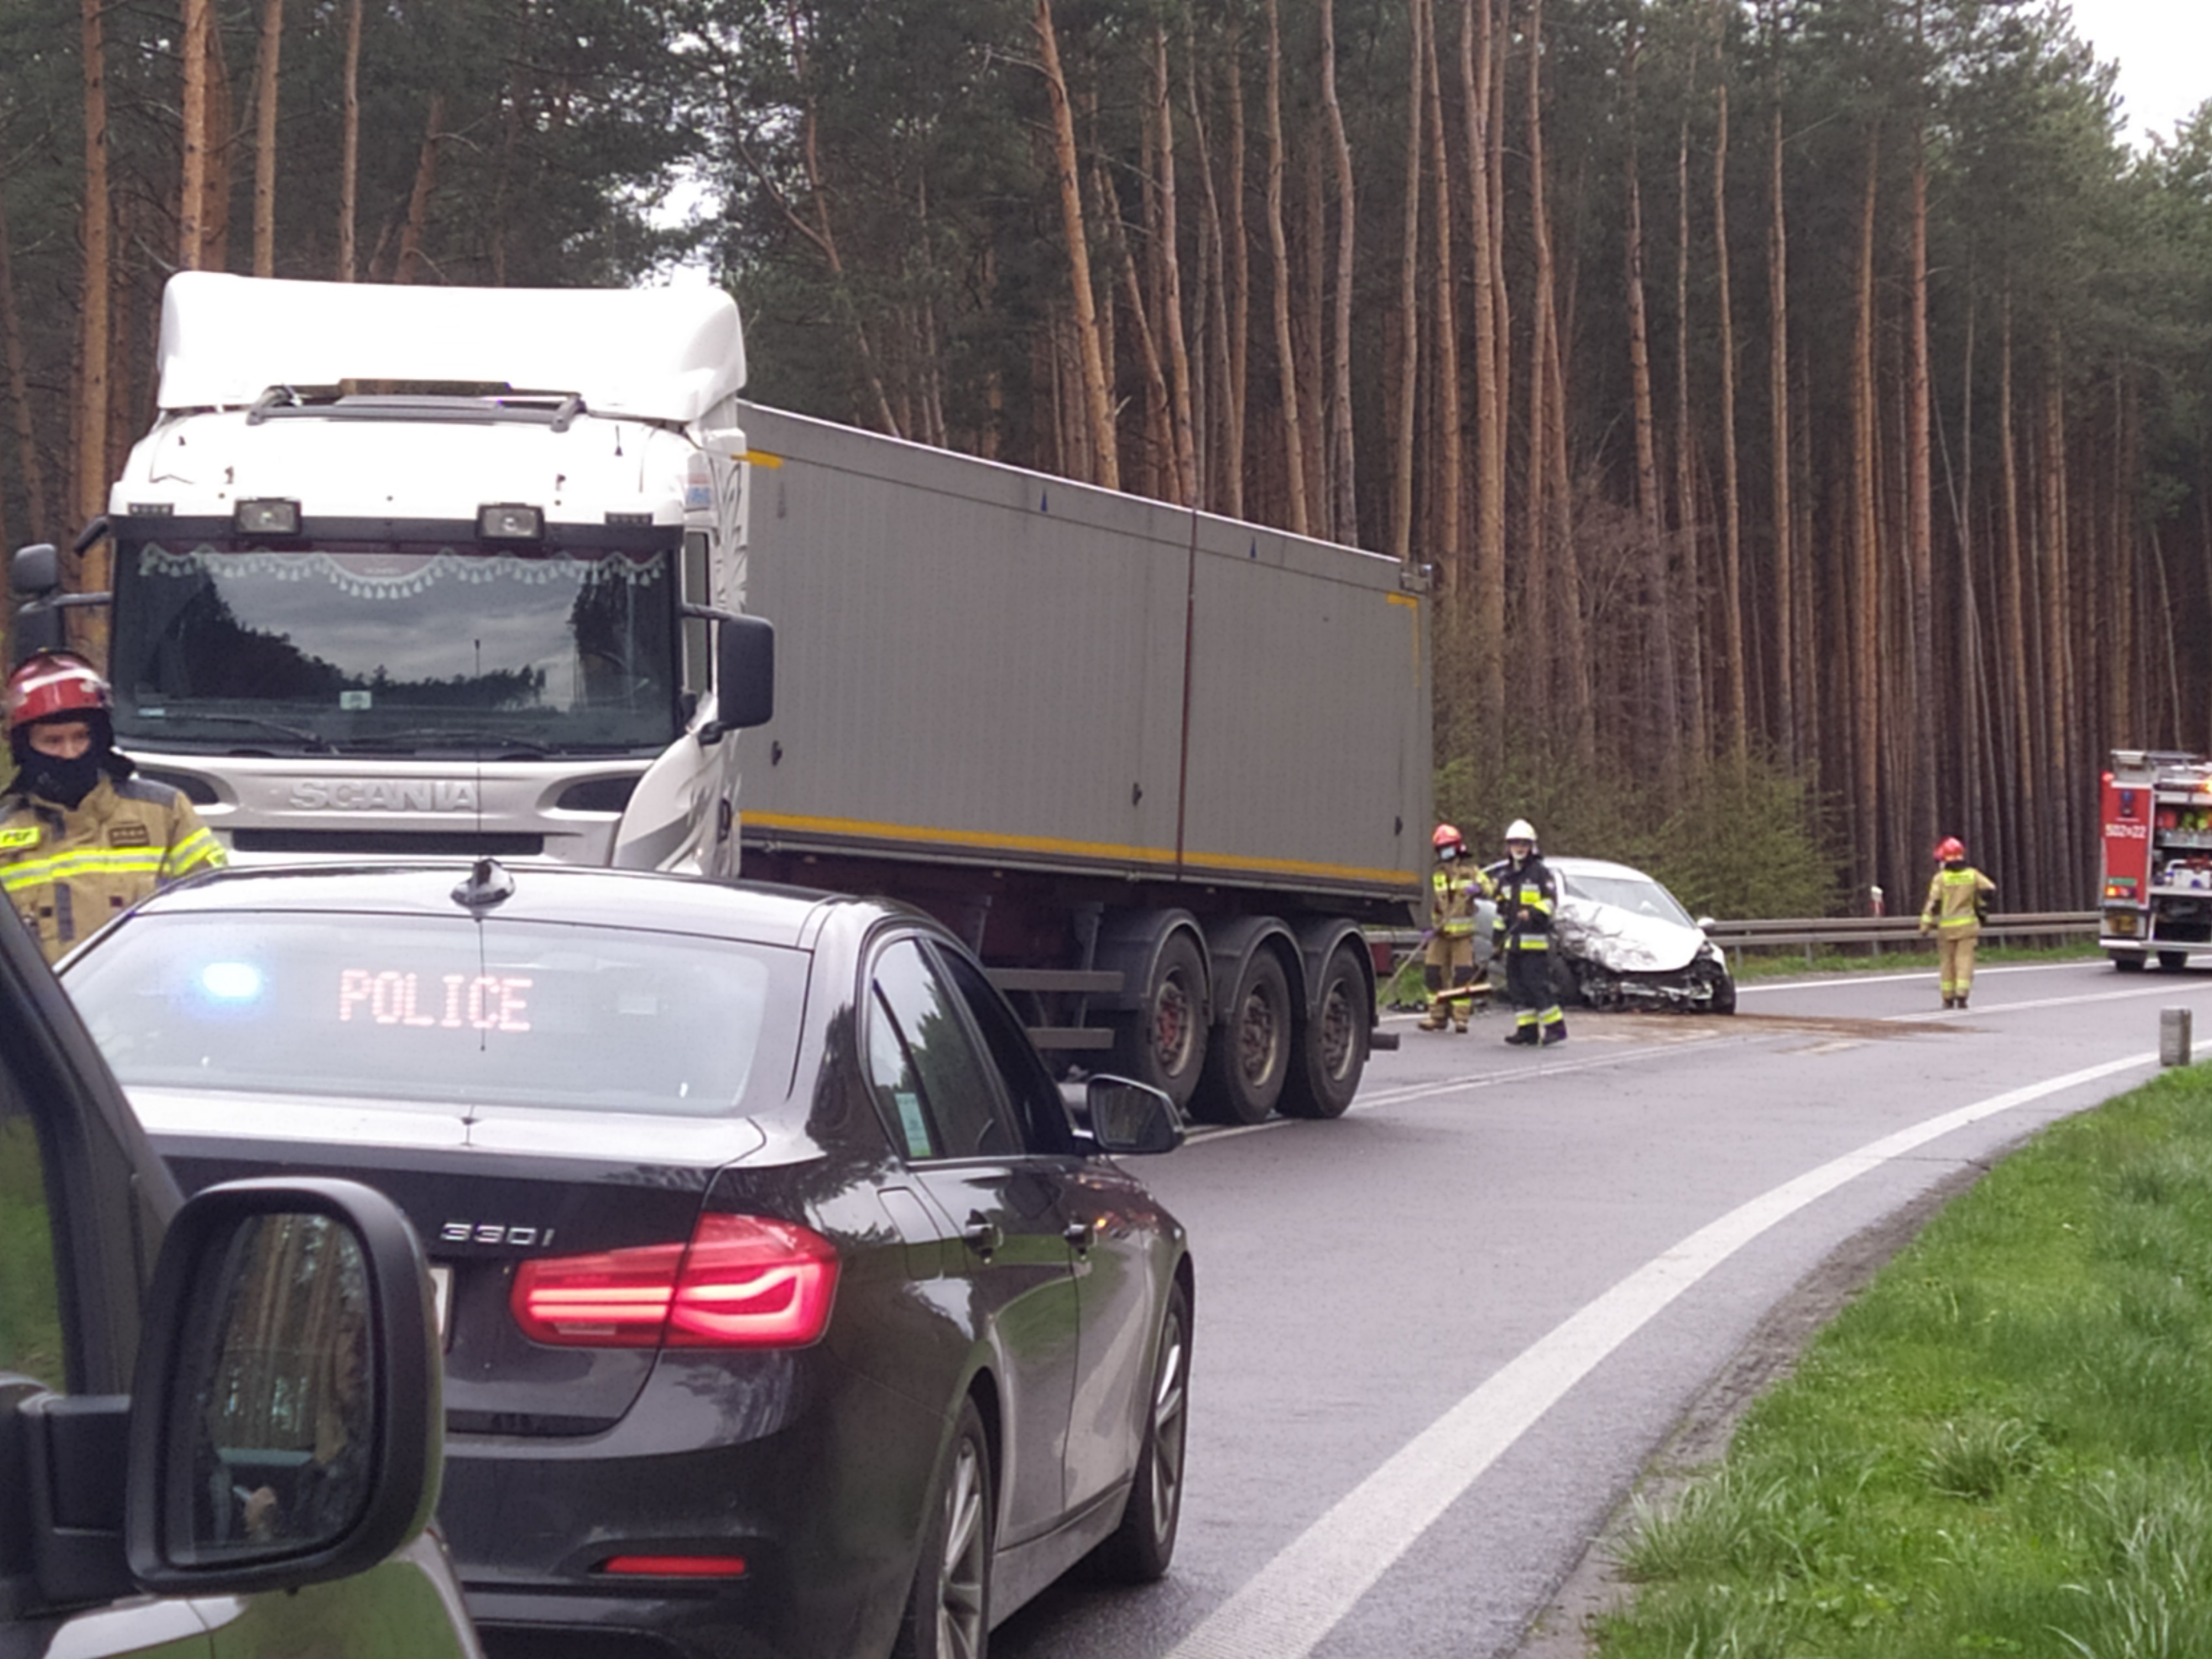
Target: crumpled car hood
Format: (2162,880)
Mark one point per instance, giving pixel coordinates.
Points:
(1624,942)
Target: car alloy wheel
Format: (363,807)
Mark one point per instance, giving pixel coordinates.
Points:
(949,1609)
(1140,1548)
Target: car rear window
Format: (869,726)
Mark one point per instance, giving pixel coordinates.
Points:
(425,1008)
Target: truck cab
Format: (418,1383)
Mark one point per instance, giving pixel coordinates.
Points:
(425,571)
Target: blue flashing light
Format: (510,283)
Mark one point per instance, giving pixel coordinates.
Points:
(231,981)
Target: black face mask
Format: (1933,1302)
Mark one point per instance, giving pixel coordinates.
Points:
(64,782)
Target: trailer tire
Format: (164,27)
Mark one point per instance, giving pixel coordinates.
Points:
(1332,1047)
(1164,1044)
(2129,962)
(1248,1055)
(2172,962)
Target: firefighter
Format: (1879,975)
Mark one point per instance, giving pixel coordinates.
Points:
(1957,896)
(1456,886)
(1526,896)
(82,840)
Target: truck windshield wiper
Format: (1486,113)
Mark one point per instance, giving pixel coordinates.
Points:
(314,740)
(440,737)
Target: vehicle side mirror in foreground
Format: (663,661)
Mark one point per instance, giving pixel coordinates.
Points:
(1707,924)
(1128,1116)
(285,1423)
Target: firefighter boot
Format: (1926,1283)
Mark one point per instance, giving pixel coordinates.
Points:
(1555,1032)
(1434,1018)
(1522,1037)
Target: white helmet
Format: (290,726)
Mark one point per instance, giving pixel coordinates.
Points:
(1521,829)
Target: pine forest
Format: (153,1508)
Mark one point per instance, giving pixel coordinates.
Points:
(1801,409)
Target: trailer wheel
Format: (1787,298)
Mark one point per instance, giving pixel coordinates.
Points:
(1164,1043)
(1332,1050)
(1249,1053)
(2129,962)
(2172,962)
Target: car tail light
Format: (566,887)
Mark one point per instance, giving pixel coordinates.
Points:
(743,1281)
(674,1566)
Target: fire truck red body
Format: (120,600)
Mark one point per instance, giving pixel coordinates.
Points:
(2155,898)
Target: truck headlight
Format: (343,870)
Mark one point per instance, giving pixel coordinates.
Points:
(506,521)
(267,518)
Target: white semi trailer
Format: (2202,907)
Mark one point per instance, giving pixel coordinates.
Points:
(425,571)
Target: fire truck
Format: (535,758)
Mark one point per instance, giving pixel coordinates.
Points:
(2155,898)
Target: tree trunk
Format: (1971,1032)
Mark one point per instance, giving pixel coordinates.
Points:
(1343,492)
(19,394)
(1409,298)
(1186,454)
(222,157)
(1294,488)
(1739,704)
(1222,425)
(1862,648)
(1660,716)
(1920,531)
(1148,356)
(418,200)
(1788,735)
(1100,415)
(89,495)
(265,82)
(1450,450)
(192,201)
(1240,286)
(1486,604)
(1687,586)
(350,145)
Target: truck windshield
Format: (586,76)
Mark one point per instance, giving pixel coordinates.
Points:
(395,646)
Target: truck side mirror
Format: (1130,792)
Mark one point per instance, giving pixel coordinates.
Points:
(745,672)
(35,572)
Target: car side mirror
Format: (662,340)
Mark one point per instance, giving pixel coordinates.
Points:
(745,672)
(1131,1117)
(1707,924)
(285,1422)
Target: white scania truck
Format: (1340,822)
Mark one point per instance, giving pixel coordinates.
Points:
(430,571)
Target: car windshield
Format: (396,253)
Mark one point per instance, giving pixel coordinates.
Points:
(442,1009)
(1628,891)
(393,646)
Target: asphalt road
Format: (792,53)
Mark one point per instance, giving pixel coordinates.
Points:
(1439,1339)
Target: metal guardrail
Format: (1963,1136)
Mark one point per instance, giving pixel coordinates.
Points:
(1872,932)
(1897,932)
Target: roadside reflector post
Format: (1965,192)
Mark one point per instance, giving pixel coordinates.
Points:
(2174,1037)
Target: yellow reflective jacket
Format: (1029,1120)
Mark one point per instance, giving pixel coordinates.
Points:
(1453,892)
(68,870)
(1955,901)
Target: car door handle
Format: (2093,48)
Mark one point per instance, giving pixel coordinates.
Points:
(1080,1235)
(984,1235)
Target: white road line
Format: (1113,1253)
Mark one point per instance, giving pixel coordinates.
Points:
(1939,1015)
(1298,1598)
(1876,976)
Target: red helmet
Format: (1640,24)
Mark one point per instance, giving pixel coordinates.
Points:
(1446,835)
(55,683)
(1948,848)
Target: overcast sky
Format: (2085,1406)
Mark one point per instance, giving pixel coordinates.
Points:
(2165,50)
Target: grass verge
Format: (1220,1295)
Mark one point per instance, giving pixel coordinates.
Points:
(2004,1447)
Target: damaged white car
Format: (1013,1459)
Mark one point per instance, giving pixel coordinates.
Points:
(1624,941)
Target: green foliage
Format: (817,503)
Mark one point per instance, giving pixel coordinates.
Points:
(30,1327)
(1738,845)
(2000,1448)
